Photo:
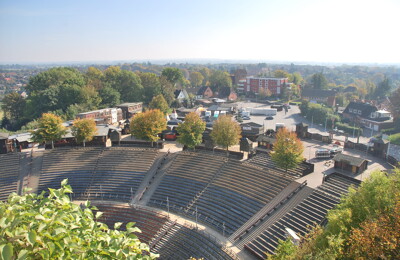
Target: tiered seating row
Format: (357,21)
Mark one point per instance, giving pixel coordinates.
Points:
(309,212)
(119,172)
(182,243)
(265,161)
(148,222)
(76,164)
(236,195)
(186,177)
(97,173)
(9,172)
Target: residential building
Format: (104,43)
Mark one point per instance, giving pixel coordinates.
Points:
(327,97)
(103,116)
(204,92)
(227,93)
(181,94)
(130,109)
(255,84)
(368,115)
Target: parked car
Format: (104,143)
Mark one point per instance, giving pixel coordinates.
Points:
(269,118)
(246,118)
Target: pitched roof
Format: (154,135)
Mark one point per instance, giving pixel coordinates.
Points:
(318,93)
(353,161)
(366,108)
(224,92)
(250,124)
(200,91)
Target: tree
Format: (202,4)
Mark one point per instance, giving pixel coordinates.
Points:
(50,128)
(173,75)
(226,132)
(364,225)
(129,86)
(205,72)
(318,81)
(288,149)
(281,74)
(196,79)
(219,79)
(191,130)
(52,227)
(264,92)
(148,125)
(151,85)
(13,105)
(84,130)
(395,105)
(90,97)
(167,90)
(109,97)
(158,102)
(296,78)
(383,88)
(95,78)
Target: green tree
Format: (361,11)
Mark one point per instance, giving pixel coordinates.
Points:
(52,227)
(288,150)
(50,128)
(205,72)
(173,75)
(148,125)
(90,97)
(296,78)
(191,130)
(158,102)
(383,88)
(151,85)
(196,79)
(55,77)
(318,81)
(167,90)
(13,106)
(129,86)
(109,97)
(219,79)
(395,106)
(95,78)
(281,74)
(84,130)
(226,132)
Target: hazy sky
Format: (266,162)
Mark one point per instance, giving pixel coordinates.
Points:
(278,30)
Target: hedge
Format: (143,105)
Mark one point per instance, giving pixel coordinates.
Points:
(348,128)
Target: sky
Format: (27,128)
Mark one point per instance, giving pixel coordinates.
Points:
(325,31)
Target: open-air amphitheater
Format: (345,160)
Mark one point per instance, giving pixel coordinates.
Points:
(187,204)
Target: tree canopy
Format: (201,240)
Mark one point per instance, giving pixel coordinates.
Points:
(288,149)
(219,79)
(50,128)
(84,130)
(148,125)
(318,81)
(173,75)
(36,226)
(191,130)
(364,225)
(226,132)
(196,79)
(159,102)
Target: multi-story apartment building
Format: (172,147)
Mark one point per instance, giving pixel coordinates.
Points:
(275,85)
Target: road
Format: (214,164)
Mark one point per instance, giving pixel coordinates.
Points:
(290,119)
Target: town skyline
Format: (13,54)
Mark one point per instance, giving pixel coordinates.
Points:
(328,32)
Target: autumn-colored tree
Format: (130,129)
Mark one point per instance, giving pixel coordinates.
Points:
(364,225)
(377,238)
(219,79)
(226,132)
(159,102)
(84,130)
(264,92)
(173,75)
(148,125)
(50,128)
(288,149)
(50,226)
(191,130)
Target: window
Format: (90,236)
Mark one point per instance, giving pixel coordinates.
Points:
(359,112)
(350,110)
